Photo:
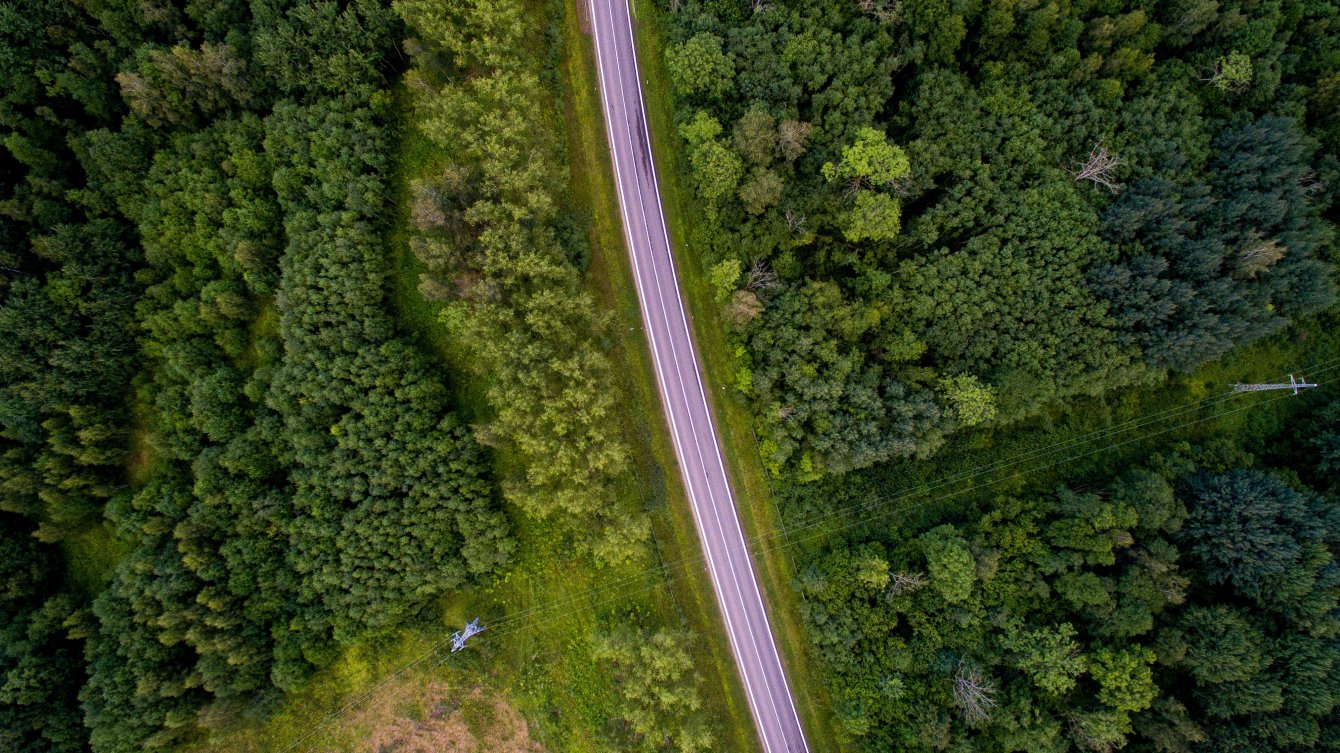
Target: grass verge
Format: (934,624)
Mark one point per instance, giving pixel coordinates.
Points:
(611,281)
(734,420)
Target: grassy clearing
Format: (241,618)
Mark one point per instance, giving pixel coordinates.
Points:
(91,556)
(144,457)
(540,665)
(734,420)
(419,317)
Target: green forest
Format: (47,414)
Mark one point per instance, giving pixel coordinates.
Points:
(193,230)
(312,342)
(227,462)
(1190,605)
(926,216)
(943,235)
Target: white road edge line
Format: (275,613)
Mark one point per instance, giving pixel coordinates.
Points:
(656,184)
(721,530)
(714,505)
(637,276)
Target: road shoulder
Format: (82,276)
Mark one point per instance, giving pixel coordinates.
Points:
(611,281)
(774,566)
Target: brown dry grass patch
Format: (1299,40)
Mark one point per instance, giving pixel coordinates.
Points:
(427,716)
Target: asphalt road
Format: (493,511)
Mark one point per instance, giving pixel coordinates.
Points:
(679,379)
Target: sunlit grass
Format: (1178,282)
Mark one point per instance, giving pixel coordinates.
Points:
(91,555)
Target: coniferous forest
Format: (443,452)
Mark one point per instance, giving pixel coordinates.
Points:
(938,236)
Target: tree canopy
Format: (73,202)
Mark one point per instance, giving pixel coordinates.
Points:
(1055,201)
(200,196)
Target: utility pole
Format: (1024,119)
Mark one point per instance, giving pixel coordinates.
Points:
(1293,384)
(458,637)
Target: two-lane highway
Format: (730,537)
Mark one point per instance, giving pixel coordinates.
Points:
(681,385)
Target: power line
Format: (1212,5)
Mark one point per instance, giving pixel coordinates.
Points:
(925,503)
(514,622)
(459,638)
(671,571)
(1017,459)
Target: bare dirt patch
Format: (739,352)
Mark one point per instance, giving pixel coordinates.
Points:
(430,717)
(584,17)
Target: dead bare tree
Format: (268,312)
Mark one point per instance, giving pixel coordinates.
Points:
(795,221)
(758,6)
(744,307)
(487,435)
(413,47)
(1173,589)
(855,184)
(1171,586)
(973,693)
(1259,255)
(760,277)
(418,83)
(906,583)
(885,10)
(1231,73)
(1098,168)
(434,289)
(1309,183)
(426,208)
(791,137)
(1084,735)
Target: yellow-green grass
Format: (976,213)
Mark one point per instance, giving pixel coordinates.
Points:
(91,555)
(543,663)
(145,457)
(415,157)
(734,420)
